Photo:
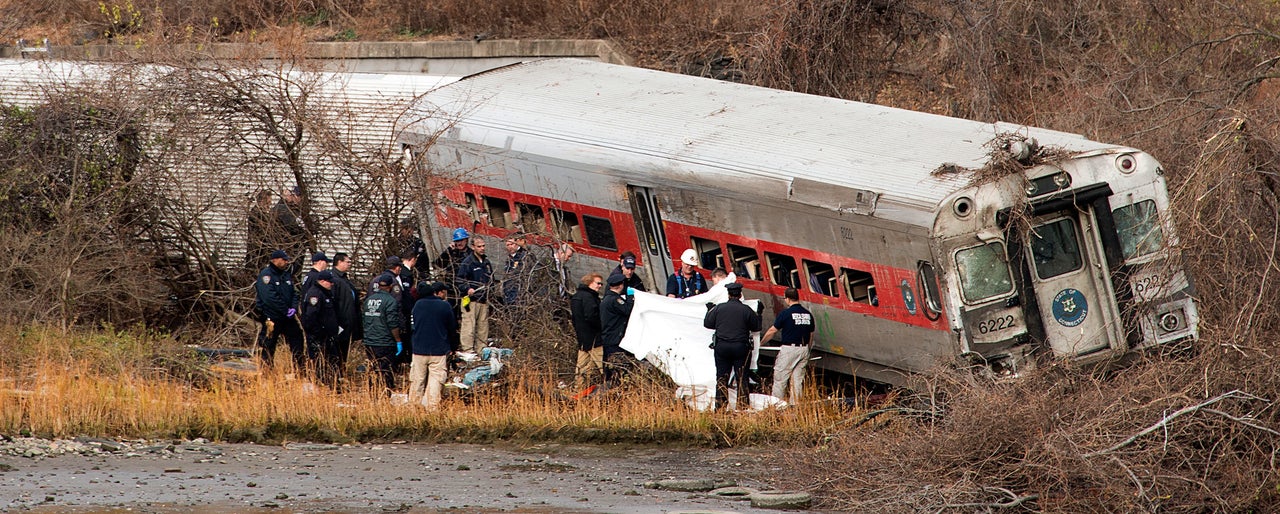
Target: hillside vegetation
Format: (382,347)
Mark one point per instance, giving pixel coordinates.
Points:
(1193,83)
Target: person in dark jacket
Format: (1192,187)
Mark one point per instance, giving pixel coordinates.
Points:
(447,265)
(382,339)
(517,275)
(274,307)
(290,230)
(585,312)
(433,325)
(475,279)
(615,311)
(627,268)
(408,243)
(320,323)
(733,322)
(319,262)
(346,301)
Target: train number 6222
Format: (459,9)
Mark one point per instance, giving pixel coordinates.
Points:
(996,324)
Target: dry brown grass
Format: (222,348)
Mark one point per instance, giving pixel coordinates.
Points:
(122,384)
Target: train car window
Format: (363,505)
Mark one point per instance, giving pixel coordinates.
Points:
(499,212)
(473,207)
(532,220)
(1138,226)
(1055,248)
(860,285)
(928,280)
(746,261)
(984,272)
(822,278)
(782,269)
(599,232)
(566,226)
(709,254)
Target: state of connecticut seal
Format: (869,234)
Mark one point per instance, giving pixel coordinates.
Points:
(1070,307)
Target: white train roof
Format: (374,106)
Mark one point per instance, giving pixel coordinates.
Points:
(664,128)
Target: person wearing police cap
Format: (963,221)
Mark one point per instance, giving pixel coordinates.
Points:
(687,281)
(615,310)
(320,323)
(319,262)
(275,308)
(382,338)
(627,268)
(433,326)
(733,323)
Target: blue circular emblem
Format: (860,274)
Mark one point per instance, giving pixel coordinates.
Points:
(1070,307)
(908,298)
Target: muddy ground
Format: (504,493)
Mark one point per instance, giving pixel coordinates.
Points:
(106,476)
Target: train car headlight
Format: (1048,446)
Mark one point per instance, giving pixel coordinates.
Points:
(1126,163)
(1171,321)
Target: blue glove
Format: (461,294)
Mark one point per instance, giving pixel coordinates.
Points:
(631,291)
(399,347)
(291,312)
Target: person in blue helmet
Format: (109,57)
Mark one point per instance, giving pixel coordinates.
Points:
(447,271)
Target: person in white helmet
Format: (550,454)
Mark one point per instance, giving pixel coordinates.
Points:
(688,281)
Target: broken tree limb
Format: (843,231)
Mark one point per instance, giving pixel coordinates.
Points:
(1235,393)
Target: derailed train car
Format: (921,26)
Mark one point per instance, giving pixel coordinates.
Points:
(1070,256)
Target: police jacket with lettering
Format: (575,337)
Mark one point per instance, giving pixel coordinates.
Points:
(475,272)
(683,287)
(585,308)
(381,314)
(319,318)
(615,310)
(275,295)
(795,324)
(733,321)
(433,326)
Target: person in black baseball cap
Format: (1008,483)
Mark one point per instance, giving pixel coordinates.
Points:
(319,262)
(627,268)
(733,322)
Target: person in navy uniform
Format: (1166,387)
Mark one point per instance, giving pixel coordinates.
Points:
(627,268)
(320,323)
(475,279)
(733,322)
(615,311)
(346,299)
(275,308)
(688,281)
(795,324)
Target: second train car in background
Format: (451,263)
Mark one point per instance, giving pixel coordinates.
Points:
(905,266)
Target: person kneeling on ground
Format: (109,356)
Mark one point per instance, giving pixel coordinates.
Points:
(433,328)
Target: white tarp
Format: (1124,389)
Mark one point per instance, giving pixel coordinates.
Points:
(668,333)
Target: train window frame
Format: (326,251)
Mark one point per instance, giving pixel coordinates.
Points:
(605,239)
(831,281)
(792,273)
(963,264)
(927,279)
(1141,234)
(709,251)
(1052,253)
(499,211)
(532,218)
(472,201)
(744,266)
(565,226)
(859,286)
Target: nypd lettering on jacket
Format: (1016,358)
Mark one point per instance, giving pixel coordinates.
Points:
(801,318)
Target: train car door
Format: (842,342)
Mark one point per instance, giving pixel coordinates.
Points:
(1076,307)
(653,248)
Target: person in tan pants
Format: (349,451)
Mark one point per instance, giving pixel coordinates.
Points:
(433,327)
